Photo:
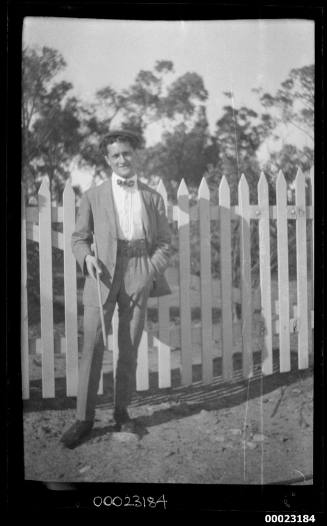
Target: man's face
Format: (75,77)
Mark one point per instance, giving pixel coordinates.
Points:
(121,157)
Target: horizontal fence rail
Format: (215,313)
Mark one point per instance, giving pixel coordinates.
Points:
(279,316)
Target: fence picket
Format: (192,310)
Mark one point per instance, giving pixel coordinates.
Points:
(100,388)
(312,249)
(115,350)
(283,282)
(187,334)
(24,306)
(46,304)
(164,359)
(183,222)
(71,340)
(265,273)
(226,279)
(244,210)
(205,276)
(142,370)
(312,181)
(302,273)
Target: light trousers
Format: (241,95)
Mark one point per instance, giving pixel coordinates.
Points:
(130,290)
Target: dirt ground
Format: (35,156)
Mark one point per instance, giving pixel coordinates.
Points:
(258,431)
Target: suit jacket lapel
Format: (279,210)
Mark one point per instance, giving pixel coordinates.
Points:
(148,231)
(109,207)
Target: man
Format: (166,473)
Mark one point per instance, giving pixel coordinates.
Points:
(132,235)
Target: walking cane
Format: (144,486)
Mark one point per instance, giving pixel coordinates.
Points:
(99,296)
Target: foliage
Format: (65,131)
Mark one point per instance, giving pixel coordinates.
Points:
(181,154)
(58,128)
(294,100)
(50,123)
(291,108)
(175,106)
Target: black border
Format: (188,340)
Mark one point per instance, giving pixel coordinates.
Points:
(230,501)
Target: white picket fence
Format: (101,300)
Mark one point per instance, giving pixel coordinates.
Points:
(37,226)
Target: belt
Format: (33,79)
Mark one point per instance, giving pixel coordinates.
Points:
(134,248)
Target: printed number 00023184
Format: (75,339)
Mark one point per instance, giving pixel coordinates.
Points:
(295,518)
(135,501)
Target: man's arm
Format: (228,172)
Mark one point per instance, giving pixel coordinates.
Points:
(160,258)
(82,237)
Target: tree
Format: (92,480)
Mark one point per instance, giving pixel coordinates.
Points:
(176,107)
(291,108)
(182,153)
(239,135)
(50,122)
(152,97)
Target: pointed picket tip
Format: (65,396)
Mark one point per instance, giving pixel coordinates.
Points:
(161,188)
(280,180)
(299,178)
(243,182)
(299,172)
(68,195)
(224,192)
(262,183)
(203,191)
(243,189)
(68,188)
(300,186)
(263,190)
(262,178)
(44,188)
(68,183)
(182,189)
(223,185)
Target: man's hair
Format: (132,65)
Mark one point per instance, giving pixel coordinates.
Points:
(133,142)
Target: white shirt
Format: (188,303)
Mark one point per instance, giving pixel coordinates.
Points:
(128,209)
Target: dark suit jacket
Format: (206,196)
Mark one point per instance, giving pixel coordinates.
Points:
(97,215)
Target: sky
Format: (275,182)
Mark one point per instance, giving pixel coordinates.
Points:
(230,55)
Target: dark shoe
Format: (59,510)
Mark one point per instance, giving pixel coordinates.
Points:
(75,434)
(121,416)
(122,419)
(129,427)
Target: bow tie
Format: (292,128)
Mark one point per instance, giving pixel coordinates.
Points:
(126,182)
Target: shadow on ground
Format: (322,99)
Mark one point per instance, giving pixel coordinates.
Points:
(181,400)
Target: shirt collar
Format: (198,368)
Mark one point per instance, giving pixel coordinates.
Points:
(116,177)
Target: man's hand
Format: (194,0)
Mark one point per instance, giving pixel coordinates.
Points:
(92,266)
